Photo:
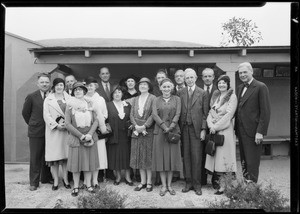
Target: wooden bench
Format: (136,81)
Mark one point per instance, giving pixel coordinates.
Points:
(272,140)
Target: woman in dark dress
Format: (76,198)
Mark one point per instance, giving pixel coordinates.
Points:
(166,157)
(130,83)
(118,143)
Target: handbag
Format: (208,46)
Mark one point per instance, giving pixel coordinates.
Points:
(210,148)
(107,135)
(217,138)
(173,137)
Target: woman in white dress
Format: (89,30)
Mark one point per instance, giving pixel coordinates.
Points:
(100,108)
(56,150)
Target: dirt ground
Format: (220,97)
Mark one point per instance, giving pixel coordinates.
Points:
(18,195)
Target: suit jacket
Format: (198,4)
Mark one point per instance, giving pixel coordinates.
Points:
(210,94)
(33,114)
(199,109)
(102,93)
(253,112)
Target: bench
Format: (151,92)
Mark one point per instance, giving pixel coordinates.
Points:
(270,141)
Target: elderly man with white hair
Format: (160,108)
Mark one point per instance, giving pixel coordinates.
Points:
(252,120)
(194,110)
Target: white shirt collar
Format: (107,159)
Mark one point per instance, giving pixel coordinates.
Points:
(250,81)
(104,84)
(193,87)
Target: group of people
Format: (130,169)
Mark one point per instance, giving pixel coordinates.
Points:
(96,125)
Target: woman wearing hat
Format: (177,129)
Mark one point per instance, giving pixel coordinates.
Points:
(119,142)
(99,107)
(56,149)
(166,157)
(220,120)
(81,122)
(130,82)
(142,135)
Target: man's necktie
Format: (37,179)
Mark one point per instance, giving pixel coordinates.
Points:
(207,89)
(246,84)
(107,90)
(190,92)
(45,95)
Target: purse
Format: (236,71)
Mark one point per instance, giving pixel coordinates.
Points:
(210,148)
(173,137)
(217,138)
(107,135)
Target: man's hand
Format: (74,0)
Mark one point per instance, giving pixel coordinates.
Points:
(258,138)
(202,135)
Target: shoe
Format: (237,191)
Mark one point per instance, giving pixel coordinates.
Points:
(149,189)
(75,192)
(67,186)
(83,186)
(171,191)
(198,192)
(48,182)
(140,186)
(163,192)
(96,186)
(32,188)
(187,188)
(128,183)
(219,192)
(116,183)
(216,186)
(54,187)
(90,189)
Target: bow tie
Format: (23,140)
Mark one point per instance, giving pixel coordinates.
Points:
(246,84)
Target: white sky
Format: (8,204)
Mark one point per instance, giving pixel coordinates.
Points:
(190,24)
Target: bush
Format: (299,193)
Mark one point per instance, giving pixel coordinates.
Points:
(104,198)
(250,196)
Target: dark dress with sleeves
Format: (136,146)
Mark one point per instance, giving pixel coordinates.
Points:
(166,156)
(141,146)
(119,143)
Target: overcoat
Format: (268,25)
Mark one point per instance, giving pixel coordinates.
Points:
(221,119)
(56,145)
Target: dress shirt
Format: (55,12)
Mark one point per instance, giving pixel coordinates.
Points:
(245,88)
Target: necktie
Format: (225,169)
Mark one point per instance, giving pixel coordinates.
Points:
(107,90)
(45,95)
(190,92)
(207,89)
(246,84)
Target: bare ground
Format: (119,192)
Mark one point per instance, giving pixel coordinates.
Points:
(18,195)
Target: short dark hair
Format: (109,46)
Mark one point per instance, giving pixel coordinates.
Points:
(118,87)
(43,74)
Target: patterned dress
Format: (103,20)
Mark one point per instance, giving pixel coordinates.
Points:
(141,146)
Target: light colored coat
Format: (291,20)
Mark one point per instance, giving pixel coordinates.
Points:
(56,147)
(222,121)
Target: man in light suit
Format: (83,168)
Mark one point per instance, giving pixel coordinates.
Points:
(33,115)
(208,76)
(105,87)
(252,120)
(194,110)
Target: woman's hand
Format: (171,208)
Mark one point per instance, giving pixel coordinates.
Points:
(88,137)
(167,130)
(212,130)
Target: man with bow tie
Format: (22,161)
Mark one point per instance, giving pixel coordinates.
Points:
(32,113)
(252,120)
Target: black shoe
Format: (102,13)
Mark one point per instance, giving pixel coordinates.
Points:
(187,188)
(219,192)
(67,186)
(198,192)
(140,186)
(32,188)
(116,183)
(83,186)
(48,182)
(96,186)
(128,183)
(74,192)
(54,187)
(149,189)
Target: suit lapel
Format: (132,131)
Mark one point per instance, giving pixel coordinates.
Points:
(39,98)
(185,96)
(248,92)
(103,93)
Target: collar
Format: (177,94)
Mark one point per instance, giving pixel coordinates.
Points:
(193,87)
(183,86)
(250,81)
(104,84)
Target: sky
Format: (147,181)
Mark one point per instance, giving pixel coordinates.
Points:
(187,24)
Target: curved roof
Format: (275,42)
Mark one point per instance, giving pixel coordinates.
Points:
(116,43)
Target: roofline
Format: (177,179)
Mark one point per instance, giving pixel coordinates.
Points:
(75,49)
(22,38)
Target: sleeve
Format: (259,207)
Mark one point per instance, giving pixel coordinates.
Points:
(27,108)
(132,112)
(225,121)
(49,121)
(155,116)
(94,125)
(264,109)
(205,110)
(177,114)
(149,121)
(69,125)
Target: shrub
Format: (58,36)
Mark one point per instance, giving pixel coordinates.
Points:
(104,198)
(250,196)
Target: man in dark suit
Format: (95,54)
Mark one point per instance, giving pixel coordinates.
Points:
(194,110)
(70,80)
(33,115)
(179,80)
(208,76)
(105,87)
(104,90)
(252,120)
